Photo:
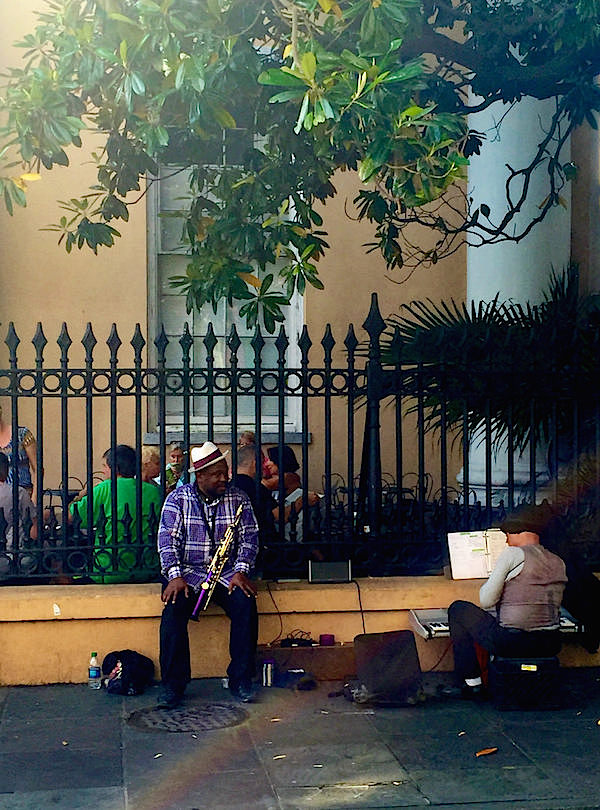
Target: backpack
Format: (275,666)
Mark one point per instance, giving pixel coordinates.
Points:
(127,672)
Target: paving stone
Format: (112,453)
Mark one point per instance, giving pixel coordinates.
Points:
(347,797)
(37,733)
(439,717)
(59,700)
(467,785)
(446,751)
(41,770)
(191,788)
(81,799)
(324,728)
(330,764)
(217,751)
(571,762)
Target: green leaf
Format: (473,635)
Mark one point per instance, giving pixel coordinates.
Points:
(367,169)
(309,65)
(8,201)
(180,75)
(287,95)
(123,19)
(302,114)
(281,78)
(224,118)
(358,62)
(137,84)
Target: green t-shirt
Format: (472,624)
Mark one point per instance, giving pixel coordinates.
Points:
(126,489)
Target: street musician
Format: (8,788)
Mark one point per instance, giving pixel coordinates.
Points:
(196,522)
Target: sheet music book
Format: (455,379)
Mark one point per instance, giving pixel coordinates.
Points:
(474,554)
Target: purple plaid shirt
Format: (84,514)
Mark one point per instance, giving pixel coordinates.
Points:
(184,542)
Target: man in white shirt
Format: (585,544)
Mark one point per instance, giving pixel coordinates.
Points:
(520,603)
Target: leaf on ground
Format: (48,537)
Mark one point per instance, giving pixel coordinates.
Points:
(485,751)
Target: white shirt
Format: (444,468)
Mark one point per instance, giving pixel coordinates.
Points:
(508,565)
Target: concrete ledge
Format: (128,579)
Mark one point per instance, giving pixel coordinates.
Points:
(47,632)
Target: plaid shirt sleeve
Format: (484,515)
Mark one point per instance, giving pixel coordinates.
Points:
(170,537)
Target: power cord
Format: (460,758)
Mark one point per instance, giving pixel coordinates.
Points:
(278,636)
(360,604)
(440,659)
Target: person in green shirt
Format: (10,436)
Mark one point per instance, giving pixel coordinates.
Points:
(124,460)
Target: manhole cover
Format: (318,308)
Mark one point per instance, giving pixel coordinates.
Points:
(199,717)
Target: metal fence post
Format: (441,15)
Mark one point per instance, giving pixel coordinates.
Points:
(374,325)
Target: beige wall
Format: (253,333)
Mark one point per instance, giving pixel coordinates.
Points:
(64,623)
(41,282)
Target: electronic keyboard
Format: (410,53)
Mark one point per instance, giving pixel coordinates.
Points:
(433,623)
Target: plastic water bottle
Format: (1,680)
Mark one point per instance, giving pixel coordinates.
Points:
(94,672)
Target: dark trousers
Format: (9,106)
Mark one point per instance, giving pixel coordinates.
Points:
(469,624)
(175,666)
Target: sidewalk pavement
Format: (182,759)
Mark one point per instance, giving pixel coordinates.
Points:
(68,746)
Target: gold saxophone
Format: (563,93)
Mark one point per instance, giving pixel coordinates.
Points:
(217,564)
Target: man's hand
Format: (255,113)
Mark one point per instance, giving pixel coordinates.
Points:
(313,500)
(239,580)
(174,587)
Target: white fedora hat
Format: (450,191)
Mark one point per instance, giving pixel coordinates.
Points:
(206,455)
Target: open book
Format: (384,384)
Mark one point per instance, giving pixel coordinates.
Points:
(474,554)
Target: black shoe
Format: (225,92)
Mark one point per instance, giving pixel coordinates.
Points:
(241,692)
(476,693)
(169,699)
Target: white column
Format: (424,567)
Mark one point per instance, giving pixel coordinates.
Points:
(516,271)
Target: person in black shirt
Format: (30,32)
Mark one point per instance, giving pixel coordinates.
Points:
(261,499)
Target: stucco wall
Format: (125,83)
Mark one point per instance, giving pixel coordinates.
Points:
(41,282)
(62,624)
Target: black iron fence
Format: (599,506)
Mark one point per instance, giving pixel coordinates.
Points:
(390,490)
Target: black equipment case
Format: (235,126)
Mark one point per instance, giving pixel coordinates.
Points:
(524,683)
(387,666)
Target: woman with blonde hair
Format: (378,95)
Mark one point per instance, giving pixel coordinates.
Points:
(150,463)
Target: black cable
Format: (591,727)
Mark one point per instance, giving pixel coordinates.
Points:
(278,636)
(440,659)
(362,613)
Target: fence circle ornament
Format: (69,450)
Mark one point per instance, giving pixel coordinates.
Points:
(222,381)
(27,383)
(77,382)
(270,383)
(125,382)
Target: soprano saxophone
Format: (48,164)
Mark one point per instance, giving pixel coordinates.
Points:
(217,565)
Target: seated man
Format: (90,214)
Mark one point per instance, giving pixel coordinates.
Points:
(124,461)
(193,523)
(525,588)
(174,476)
(262,501)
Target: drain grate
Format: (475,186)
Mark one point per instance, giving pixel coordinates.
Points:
(199,717)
